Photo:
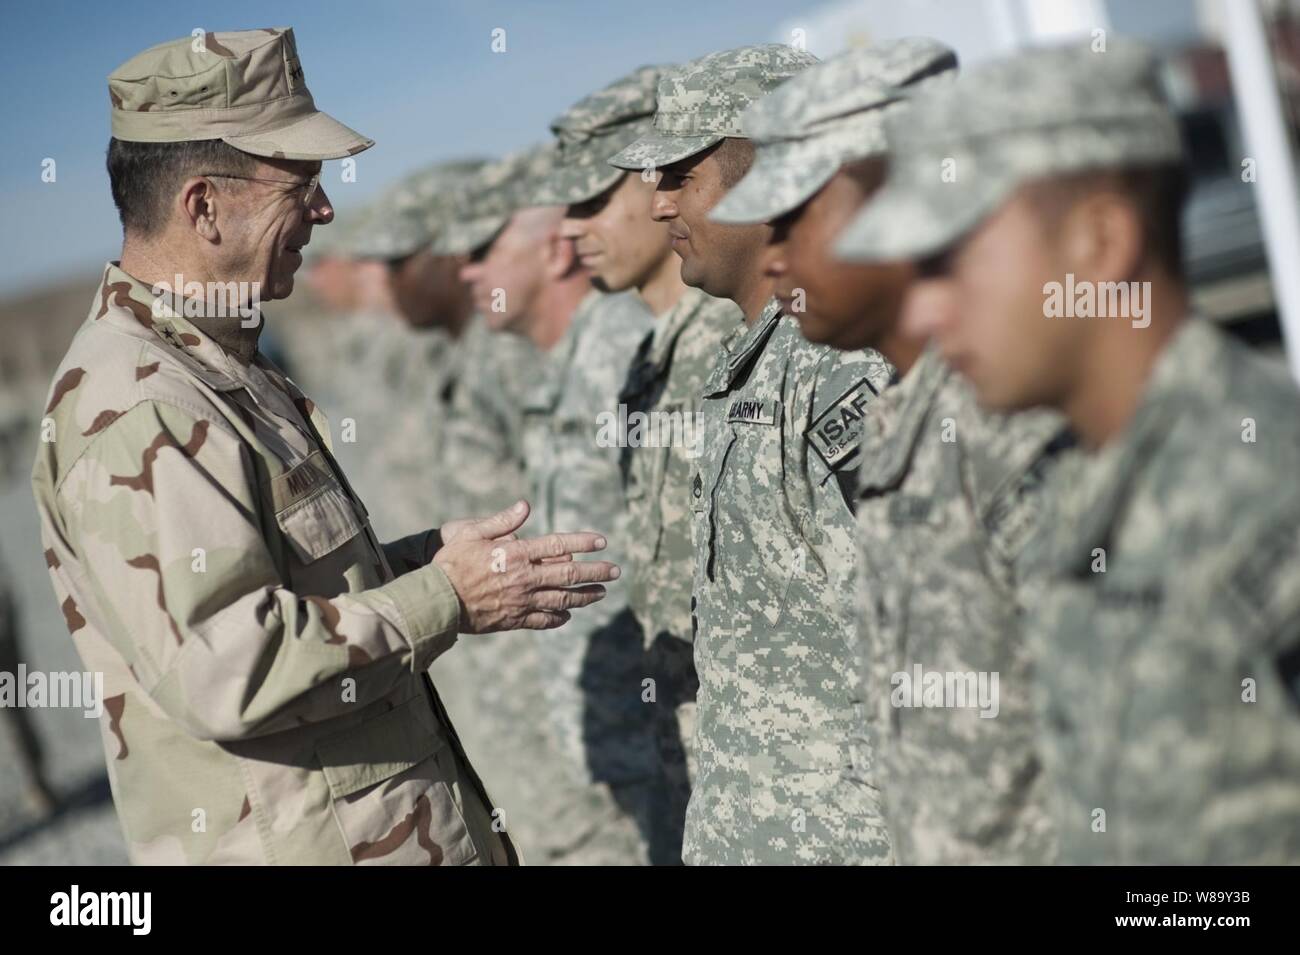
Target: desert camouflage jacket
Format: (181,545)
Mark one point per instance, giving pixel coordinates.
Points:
(263,654)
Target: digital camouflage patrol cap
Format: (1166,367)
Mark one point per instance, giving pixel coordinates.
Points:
(489,198)
(404,219)
(245,88)
(830,114)
(961,151)
(699,104)
(593,130)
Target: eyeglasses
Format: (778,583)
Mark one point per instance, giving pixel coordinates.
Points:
(309,187)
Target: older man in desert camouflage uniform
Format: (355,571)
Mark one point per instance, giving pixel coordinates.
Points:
(263,654)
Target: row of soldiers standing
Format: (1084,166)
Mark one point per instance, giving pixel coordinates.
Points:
(748,264)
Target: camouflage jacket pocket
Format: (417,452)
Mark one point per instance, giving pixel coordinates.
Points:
(315,513)
(391,780)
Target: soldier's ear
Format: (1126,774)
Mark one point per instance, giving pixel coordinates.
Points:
(197,203)
(1102,237)
(561,257)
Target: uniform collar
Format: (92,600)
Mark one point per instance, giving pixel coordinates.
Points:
(545,394)
(130,306)
(1090,495)
(655,354)
(738,354)
(898,417)
(670,327)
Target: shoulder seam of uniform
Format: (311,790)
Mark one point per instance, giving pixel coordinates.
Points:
(141,400)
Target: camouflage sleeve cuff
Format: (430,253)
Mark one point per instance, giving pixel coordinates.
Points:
(429,610)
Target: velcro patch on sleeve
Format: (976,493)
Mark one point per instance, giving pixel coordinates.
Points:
(754,411)
(837,431)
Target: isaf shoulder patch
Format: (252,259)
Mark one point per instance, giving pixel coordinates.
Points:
(836,433)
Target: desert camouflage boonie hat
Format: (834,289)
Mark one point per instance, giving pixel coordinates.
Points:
(830,114)
(699,104)
(961,151)
(245,88)
(489,198)
(594,129)
(403,220)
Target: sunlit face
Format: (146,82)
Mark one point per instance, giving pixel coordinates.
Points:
(263,237)
(847,305)
(985,309)
(715,257)
(614,237)
(507,278)
(427,289)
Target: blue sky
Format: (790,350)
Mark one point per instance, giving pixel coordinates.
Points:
(420,78)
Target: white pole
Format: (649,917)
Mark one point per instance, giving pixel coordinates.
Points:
(1255,88)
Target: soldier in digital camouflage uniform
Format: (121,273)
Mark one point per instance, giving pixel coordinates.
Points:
(484,429)
(556,815)
(528,282)
(945,499)
(781,773)
(492,685)
(608,220)
(401,414)
(1163,632)
(263,654)
(358,312)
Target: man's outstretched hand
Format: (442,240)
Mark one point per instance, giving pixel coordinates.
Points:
(506,584)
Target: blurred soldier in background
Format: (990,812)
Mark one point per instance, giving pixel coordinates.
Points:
(608,220)
(357,293)
(402,408)
(495,683)
(779,734)
(17,719)
(15,434)
(946,495)
(530,283)
(1164,640)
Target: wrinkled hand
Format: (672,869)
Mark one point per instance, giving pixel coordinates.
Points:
(506,584)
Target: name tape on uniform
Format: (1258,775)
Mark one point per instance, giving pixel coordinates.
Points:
(754,411)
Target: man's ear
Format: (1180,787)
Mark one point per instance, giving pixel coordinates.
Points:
(1102,237)
(198,202)
(561,256)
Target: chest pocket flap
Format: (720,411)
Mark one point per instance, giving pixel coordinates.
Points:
(313,510)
